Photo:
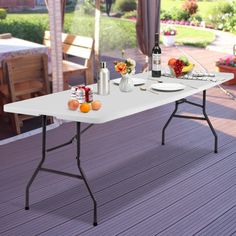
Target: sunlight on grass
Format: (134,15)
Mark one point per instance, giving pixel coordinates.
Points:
(192,36)
(203,7)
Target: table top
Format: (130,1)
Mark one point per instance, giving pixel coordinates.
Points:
(116,105)
(14,46)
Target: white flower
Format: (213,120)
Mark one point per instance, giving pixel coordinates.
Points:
(131,63)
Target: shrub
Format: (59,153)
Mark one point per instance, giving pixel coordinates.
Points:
(3,14)
(190,6)
(229,22)
(179,14)
(29,27)
(195,18)
(225,7)
(87,7)
(130,14)
(222,16)
(165,15)
(125,5)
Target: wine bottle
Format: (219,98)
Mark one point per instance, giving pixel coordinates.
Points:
(156,58)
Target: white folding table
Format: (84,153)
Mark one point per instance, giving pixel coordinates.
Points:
(116,105)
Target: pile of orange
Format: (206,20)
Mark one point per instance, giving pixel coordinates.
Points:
(73,105)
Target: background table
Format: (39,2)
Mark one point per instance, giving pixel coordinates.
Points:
(15,47)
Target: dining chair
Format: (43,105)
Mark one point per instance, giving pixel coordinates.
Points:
(27,77)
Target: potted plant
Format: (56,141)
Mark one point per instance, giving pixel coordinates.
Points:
(227,64)
(169,36)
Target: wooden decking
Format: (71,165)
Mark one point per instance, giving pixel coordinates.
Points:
(142,188)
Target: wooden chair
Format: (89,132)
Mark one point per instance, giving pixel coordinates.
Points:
(82,48)
(27,77)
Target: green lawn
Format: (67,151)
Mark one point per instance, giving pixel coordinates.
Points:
(203,6)
(115,33)
(194,37)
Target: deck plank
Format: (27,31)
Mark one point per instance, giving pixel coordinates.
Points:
(225,224)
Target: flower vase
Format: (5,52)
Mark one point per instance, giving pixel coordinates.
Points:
(126,83)
(169,40)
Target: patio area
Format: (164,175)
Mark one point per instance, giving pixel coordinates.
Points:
(142,187)
(139,187)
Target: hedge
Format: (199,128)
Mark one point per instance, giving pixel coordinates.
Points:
(28,27)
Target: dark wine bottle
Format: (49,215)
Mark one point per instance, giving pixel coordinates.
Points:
(156,58)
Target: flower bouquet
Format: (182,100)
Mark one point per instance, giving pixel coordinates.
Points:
(125,68)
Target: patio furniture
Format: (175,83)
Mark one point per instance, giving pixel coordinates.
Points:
(116,105)
(5,36)
(27,77)
(12,47)
(80,47)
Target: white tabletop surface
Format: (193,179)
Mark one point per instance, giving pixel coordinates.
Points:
(13,47)
(116,105)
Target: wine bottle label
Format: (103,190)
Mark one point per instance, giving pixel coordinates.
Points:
(156,62)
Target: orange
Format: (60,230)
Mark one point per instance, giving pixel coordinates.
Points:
(85,107)
(172,62)
(73,104)
(96,105)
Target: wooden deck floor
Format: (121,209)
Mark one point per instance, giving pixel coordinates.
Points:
(142,188)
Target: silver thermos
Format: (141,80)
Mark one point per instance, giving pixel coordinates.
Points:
(103,79)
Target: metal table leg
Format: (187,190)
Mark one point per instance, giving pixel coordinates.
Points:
(205,117)
(44,123)
(40,167)
(84,177)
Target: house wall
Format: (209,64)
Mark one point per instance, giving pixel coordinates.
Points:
(40,2)
(14,4)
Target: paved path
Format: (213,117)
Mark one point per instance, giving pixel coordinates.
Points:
(224,42)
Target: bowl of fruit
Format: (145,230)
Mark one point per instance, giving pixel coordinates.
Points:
(181,66)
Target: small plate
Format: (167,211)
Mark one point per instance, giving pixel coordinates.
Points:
(168,87)
(136,81)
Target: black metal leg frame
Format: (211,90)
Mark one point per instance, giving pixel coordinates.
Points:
(205,117)
(41,168)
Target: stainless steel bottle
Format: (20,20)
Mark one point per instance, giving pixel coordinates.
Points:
(103,79)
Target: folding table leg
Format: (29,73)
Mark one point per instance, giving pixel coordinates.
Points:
(84,176)
(44,123)
(205,117)
(167,123)
(209,122)
(41,168)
